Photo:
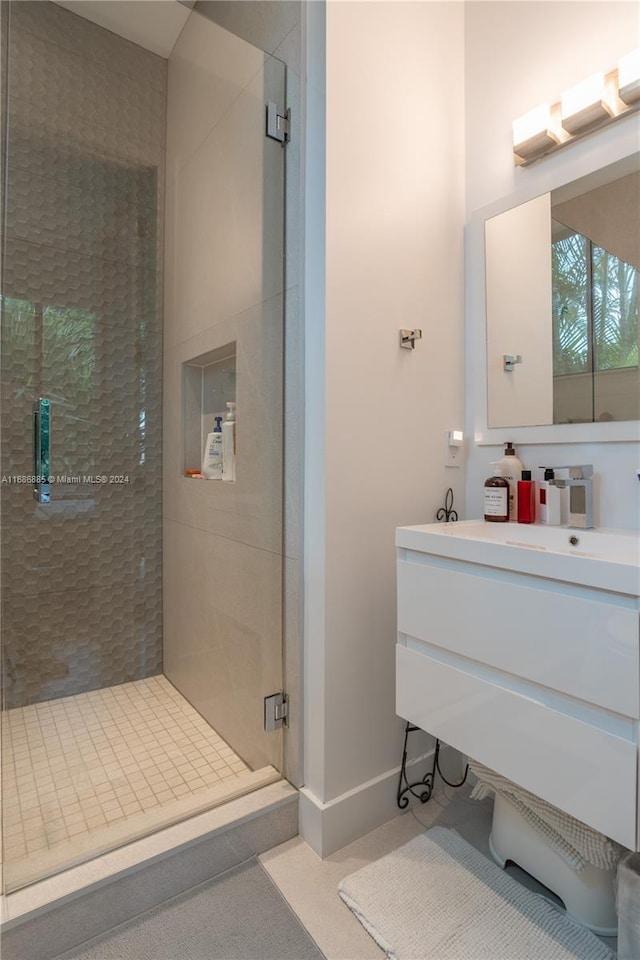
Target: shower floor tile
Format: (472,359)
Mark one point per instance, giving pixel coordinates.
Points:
(87,773)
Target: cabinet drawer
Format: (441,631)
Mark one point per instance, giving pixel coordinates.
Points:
(572,640)
(580,768)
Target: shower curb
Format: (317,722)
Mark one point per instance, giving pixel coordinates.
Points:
(55,915)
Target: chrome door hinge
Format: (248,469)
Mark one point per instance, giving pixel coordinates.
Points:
(278,123)
(276,711)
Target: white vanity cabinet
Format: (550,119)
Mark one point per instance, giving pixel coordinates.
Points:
(504,655)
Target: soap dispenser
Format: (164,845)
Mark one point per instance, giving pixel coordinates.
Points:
(511,468)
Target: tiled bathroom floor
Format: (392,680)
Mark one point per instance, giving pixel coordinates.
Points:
(84,774)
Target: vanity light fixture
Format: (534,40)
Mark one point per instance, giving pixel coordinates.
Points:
(629,78)
(585,106)
(589,105)
(533,134)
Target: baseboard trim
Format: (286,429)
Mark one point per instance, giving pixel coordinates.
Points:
(329,826)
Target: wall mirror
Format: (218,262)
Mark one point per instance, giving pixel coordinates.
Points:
(562,297)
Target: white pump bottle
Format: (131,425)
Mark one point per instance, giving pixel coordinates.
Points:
(212,459)
(510,467)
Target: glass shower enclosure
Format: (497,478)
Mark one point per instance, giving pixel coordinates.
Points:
(126,706)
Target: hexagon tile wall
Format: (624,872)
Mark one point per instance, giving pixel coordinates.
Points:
(81,325)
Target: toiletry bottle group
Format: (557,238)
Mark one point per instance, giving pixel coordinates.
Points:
(510,494)
(528,501)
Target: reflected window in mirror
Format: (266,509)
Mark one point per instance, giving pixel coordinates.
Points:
(595,331)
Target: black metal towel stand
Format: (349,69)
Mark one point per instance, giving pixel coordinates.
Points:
(424,786)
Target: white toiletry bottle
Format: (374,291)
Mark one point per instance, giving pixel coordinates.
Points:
(229,443)
(510,467)
(212,459)
(549,497)
(563,489)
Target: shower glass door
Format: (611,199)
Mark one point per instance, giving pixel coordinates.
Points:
(224,310)
(110,730)
(83,138)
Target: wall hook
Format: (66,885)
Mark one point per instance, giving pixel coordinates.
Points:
(408,338)
(509,361)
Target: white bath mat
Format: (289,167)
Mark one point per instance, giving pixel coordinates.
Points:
(438,898)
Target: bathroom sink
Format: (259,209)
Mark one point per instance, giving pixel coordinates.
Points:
(604,559)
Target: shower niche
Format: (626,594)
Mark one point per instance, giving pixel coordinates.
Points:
(208,383)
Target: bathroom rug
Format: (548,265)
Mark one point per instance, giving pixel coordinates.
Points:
(438,898)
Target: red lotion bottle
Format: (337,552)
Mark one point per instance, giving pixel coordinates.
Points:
(526,498)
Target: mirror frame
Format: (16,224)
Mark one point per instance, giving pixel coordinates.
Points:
(620,431)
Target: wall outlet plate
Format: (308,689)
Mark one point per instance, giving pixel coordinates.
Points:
(453,455)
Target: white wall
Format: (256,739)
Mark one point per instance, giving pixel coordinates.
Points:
(537,51)
(403,170)
(394,258)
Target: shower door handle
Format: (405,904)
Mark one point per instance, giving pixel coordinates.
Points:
(41,450)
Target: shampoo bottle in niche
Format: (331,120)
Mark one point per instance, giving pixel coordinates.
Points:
(510,467)
(212,459)
(496,499)
(229,443)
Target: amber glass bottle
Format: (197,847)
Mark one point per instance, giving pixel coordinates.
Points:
(496,500)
